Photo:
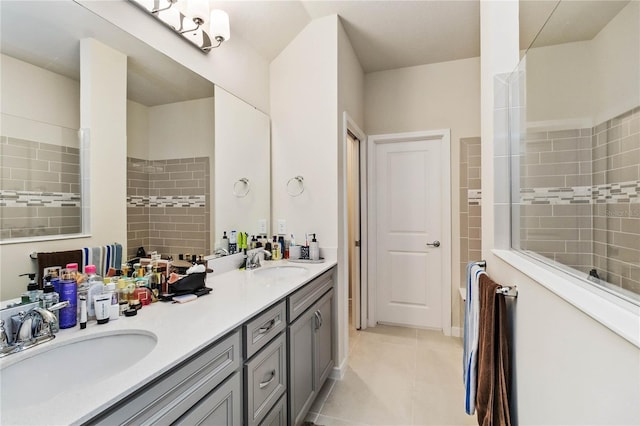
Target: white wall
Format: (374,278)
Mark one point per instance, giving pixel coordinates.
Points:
(310,89)
(351,101)
(242,150)
(304,110)
(568,369)
(103,111)
(235,66)
(182,130)
(445,95)
(586,83)
(561,83)
(38,94)
(616,51)
(137,130)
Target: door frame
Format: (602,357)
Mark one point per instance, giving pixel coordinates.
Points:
(349,124)
(445,136)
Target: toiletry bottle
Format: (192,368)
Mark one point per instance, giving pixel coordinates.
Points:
(114,309)
(225,242)
(314,250)
(142,293)
(32,288)
(68,292)
(267,247)
(275,248)
(94,286)
(254,242)
(50,298)
(233,242)
(284,254)
(83,311)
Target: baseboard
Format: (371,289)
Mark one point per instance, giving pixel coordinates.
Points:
(456,331)
(338,371)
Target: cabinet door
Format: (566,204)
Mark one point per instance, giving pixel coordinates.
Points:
(323,339)
(302,387)
(222,407)
(265,380)
(278,414)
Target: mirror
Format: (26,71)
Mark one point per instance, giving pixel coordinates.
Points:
(242,162)
(171,122)
(575,123)
(40,157)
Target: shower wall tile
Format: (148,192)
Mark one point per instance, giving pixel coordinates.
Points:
(580,198)
(470,196)
(39,189)
(168,206)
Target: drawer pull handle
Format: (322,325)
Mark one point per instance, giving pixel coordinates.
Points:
(318,319)
(267,326)
(263,385)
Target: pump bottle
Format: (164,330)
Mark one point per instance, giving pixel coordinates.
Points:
(314,250)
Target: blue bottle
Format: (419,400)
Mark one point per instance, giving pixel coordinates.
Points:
(68,291)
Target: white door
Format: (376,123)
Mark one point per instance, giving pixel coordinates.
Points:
(411,234)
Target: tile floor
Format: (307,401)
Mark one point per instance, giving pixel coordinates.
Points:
(396,376)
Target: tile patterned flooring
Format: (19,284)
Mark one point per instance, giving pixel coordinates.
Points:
(396,376)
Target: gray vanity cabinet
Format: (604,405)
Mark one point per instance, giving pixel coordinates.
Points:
(200,389)
(310,347)
(222,406)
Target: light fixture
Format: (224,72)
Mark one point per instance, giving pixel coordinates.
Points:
(191,19)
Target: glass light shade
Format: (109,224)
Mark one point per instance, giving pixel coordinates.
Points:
(219,25)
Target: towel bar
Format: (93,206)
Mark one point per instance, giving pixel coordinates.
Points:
(511,291)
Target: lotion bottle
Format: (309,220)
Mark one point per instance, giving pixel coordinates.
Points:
(225,242)
(314,249)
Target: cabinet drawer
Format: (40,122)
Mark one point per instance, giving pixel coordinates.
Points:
(170,396)
(278,414)
(223,406)
(260,330)
(302,299)
(265,380)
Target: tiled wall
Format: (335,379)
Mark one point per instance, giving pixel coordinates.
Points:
(39,189)
(579,198)
(168,206)
(470,209)
(616,198)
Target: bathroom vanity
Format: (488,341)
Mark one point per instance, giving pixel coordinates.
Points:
(256,351)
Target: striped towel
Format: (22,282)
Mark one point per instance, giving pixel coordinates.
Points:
(103,257)
(470,345)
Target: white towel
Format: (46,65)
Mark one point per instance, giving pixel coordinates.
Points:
(470,349)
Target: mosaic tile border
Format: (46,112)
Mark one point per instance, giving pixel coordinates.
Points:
(12,198)
(611,193)
(167,201)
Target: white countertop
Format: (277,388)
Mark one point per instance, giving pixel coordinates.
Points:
(181,331)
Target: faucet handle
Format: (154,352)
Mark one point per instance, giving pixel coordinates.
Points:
(4,339)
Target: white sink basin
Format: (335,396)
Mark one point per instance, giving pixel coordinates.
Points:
(71,365)
(281,272)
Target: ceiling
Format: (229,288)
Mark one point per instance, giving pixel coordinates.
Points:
(385,34)
(397,33)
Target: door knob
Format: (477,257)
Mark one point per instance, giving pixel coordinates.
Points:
(436,243)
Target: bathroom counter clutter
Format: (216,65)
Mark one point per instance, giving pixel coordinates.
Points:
(81,373)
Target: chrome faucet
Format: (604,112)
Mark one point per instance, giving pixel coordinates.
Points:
(253,258)
(36,326)
(219,252)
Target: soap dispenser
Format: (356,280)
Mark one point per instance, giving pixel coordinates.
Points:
(32,288)
(314,250)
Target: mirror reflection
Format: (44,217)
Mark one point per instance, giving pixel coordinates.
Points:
(171,136)
(576,99)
